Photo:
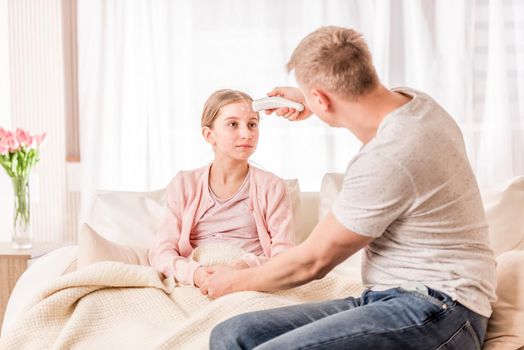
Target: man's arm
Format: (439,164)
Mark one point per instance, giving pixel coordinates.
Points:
(329,244)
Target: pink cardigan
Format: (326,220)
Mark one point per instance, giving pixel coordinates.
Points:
(188,199)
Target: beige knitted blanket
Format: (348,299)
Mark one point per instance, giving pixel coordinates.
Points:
(111,305)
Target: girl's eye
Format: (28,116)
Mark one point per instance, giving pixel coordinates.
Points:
(253,125)
(233,124)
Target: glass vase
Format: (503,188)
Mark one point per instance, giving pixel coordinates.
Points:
(22,235)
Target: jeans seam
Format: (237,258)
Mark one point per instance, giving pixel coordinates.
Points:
(430,319)
(471,331)
(468,327)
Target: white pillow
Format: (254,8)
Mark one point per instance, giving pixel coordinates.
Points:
(129,218)
(504,208)
(133,218)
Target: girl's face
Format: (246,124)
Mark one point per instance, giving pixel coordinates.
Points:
(234,133)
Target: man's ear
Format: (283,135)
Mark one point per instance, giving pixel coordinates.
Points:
(322,98)
(209,135)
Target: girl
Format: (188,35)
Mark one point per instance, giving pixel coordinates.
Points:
(227,201)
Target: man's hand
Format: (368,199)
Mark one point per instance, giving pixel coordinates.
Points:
(220,281)
(293,94)
(200,276)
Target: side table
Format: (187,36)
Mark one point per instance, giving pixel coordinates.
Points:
(13,263)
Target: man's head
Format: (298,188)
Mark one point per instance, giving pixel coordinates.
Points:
(335,59)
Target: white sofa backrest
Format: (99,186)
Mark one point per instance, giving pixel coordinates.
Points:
(503,205)
(133,218)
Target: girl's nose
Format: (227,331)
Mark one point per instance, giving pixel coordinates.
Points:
(246,133)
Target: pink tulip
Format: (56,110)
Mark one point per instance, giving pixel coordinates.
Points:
(23,137)
(31,143)
(17,144)
(40,139)
(13,143)
(4,147)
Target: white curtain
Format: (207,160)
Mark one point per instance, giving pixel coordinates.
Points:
(147,66)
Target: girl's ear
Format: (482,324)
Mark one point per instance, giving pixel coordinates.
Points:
(209,135)
(322,98)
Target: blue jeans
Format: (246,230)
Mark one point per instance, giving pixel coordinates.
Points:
(392,319)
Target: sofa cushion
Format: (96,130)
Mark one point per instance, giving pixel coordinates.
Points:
(293,190)
(329,189)
(504,207)
(133,218)
(306,215)
(506,326)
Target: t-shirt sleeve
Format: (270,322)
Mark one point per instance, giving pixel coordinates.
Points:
(375,192)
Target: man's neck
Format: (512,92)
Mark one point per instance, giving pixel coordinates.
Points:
(368,112)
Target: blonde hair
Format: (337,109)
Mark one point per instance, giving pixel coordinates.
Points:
(337,59)
(219,99)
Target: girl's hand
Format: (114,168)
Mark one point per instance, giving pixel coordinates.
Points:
(222,280)
(200,276)
(239,264)
(294,94)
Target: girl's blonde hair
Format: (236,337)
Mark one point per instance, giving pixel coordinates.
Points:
(219,99)
(337,59)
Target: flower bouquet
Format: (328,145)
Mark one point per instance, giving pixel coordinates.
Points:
(18,155)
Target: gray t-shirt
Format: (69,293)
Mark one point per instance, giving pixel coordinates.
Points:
(412,189)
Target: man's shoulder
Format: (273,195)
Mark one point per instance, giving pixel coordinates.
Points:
(414,94)
(421,105)
(417,132)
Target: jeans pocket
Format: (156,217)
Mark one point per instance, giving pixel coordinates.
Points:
(429,298)
(464,338)
(435,301)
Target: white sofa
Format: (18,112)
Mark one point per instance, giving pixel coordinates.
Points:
(132,218)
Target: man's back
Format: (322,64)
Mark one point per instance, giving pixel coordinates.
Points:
(412,188)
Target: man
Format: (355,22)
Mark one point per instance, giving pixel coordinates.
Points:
(409,198)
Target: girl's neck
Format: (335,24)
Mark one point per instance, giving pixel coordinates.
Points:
(228,171)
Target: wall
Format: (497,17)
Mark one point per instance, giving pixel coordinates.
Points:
(5,121)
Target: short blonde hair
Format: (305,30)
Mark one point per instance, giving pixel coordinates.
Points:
(337,59)
(219,99)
